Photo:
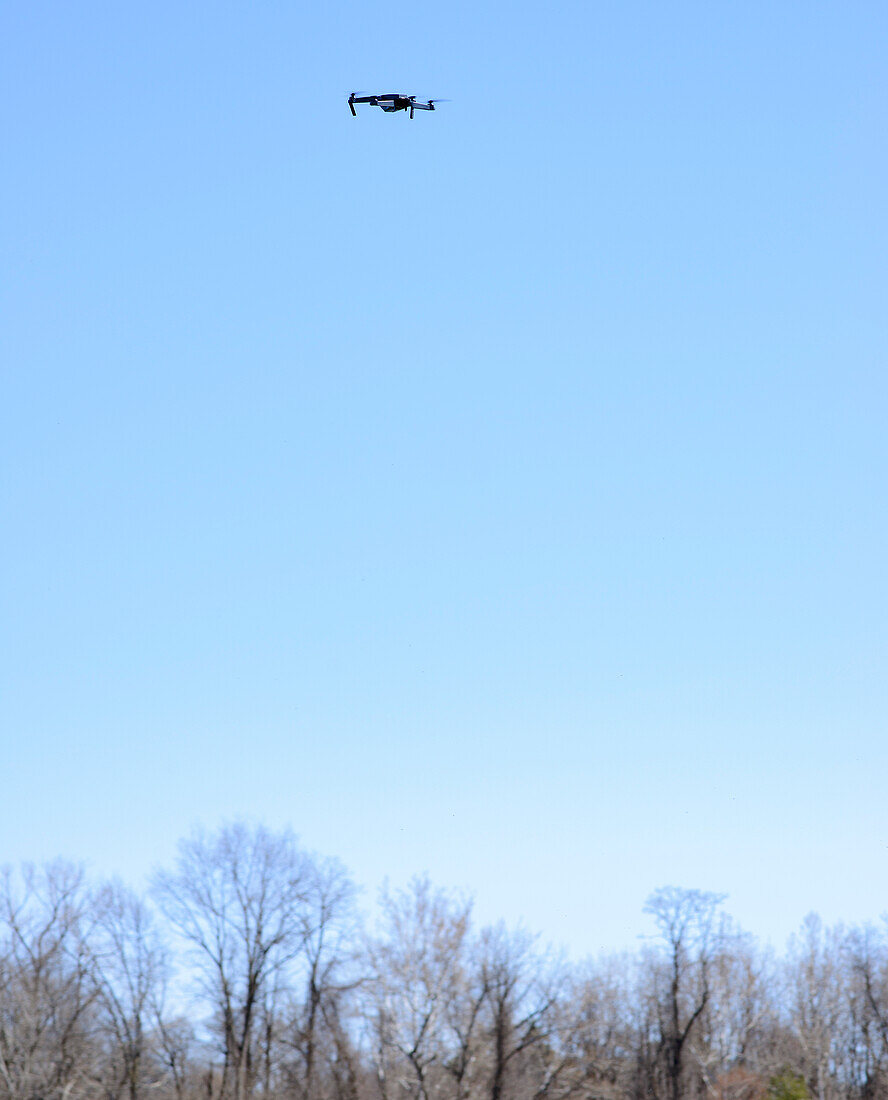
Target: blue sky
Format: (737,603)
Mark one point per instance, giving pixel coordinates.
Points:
(498,494)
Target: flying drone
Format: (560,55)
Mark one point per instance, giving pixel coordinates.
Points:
(392,102)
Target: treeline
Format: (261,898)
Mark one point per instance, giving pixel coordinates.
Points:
(247,973)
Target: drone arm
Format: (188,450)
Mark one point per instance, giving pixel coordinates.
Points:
(430,106)
(353,99)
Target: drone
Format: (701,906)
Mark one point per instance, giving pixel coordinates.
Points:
(392,102)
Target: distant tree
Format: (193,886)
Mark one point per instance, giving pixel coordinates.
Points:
(177,1052)
(867,953)
(240,900)
(416,963)
(682,978)
(315,1035)
(48,992)
(518,1014)
(818,1003)
(604,1031)
(461,1035)
(132,966)
(733,1037)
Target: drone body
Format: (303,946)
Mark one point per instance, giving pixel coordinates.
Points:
(390,102)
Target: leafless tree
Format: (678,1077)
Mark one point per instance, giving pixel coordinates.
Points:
(239,899)
(681,974)
(600,1026)
(817,1004)
(518,1010)
(416,965)
(315,1031)
(868,1006)
(731,1048)
(132,967)
(47,987)
(177,1045)
(320,1056)
(463,1061)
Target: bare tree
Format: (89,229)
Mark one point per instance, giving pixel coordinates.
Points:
(176,1051)
(817,1003)
(416,965)
(868,1006)
(47,987)
(519,1004)
(239,900)
(730,1048)
(463,1028)
(682,975)
(600,1027)
(315,1030)
(316,1056)
(132,965)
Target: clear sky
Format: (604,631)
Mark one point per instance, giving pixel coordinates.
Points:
(499,494)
